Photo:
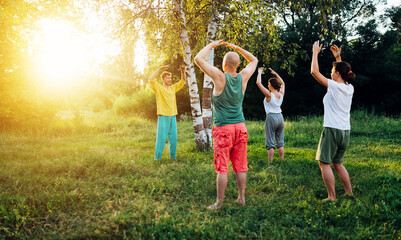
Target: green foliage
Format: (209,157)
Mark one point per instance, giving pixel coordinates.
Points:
(21,103)
(141,103)
(96,178)
(279,33)
(123,105)
(96,105)
(375,59)
(145,103)
(24,108)
(394,14)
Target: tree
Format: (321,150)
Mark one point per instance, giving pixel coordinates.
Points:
(207,113)
(394,14)
(20,102)
(200,134)
(193,36)
(375,59)
(301,23)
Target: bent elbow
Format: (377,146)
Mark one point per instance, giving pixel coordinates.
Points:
(197,60)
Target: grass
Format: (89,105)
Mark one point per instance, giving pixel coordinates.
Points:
(95,177)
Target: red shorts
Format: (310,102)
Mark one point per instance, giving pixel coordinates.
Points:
(230,141)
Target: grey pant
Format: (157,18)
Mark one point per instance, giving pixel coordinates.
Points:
(274,130)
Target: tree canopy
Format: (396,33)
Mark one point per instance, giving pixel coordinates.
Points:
(279,33)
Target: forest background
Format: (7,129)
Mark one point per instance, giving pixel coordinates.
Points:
(143,36)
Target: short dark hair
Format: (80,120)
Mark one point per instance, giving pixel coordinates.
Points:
(345,71)
(275,83)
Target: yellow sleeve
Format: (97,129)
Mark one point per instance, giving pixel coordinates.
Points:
(178,86)
(153,85)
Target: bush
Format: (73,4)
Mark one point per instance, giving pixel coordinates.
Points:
(141,103)
(96,105)
(123,105)
(145,103)
(25,109)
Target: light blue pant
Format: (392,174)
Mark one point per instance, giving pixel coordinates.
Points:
(166,127)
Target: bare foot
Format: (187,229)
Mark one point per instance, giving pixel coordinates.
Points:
(329,199)
(240,202)
(348,194)
(215,206)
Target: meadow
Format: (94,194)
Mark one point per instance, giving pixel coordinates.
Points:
(95,177)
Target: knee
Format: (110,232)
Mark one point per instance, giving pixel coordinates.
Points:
(337,166)
(323,164)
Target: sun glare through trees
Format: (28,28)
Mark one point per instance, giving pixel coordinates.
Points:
(66,55)
(61,58)
(140,55)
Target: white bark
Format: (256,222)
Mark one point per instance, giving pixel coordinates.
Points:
(200,134)
(207,113)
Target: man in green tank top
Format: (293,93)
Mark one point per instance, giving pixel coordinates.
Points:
(229,133)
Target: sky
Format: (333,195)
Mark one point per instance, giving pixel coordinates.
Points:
(390,3)
(380,11)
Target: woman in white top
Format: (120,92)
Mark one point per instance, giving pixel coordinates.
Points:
(274,125)
(337,107)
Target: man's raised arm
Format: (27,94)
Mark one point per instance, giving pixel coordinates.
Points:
(157,72)
(178,86)
(151,80)
(253,61)
(200,60)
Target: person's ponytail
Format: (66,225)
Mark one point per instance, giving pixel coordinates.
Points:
(275,83)
(345,71)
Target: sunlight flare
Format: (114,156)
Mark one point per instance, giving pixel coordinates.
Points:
(67,55)
(140,59)
(61,61)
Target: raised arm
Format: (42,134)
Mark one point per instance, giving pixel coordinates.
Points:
(151,79)
(178,86)
(264,90)
(314,69)
(336,52)
(253,61)
(183,74)
(213,72)
(280,80)
(157,72)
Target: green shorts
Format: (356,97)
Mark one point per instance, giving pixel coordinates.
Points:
(332,145)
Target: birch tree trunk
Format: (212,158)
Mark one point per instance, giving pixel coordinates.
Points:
(207,113)
(200,134)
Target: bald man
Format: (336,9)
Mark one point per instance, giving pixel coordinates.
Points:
(230,135)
